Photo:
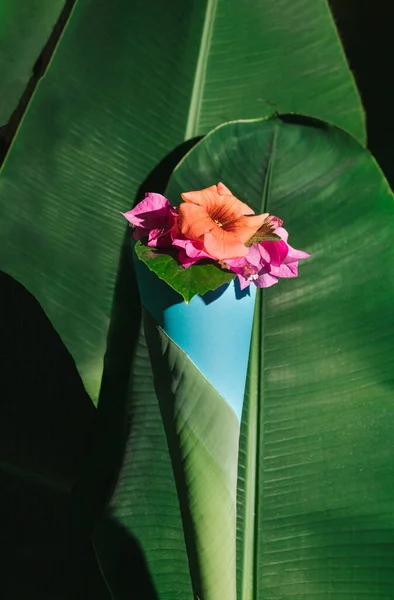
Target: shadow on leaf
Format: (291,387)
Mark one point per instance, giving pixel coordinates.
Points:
(126,571)
(46,418)
(47,423)
(116,417)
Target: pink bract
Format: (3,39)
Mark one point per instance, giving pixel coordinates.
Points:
(266,262)
(190,251)
(153,217)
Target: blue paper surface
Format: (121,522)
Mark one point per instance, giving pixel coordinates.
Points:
(213,330)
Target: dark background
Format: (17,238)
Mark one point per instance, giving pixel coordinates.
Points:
(365,27)
(44,554)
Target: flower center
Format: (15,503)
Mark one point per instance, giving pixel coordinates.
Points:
(222,217)
(249,273)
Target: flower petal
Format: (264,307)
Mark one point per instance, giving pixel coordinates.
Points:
(201,197)
(223,190)
(294,254)
(186,261)
(151,213)
(214,196)
(254,257)
(194,221)
(282,232)
(277,252)
(221,245)
(276,222)
(140,232)
(286,271)
(159,238)
(192,248)
(243,281)
(245,227)
(266,280)
(236,264)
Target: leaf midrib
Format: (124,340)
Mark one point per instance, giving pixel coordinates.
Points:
(254,441)
(201,69)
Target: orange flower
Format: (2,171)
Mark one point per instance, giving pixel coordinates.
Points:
(219,220)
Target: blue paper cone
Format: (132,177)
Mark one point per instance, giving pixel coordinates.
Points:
(199,354)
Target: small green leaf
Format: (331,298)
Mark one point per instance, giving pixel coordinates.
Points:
(197,279)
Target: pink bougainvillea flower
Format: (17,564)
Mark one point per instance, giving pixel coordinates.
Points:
(267,261)
(217,219)
(153,217)
(190,251)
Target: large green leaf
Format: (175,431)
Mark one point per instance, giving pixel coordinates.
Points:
(106,114)
(128,83)
(24,29)
(203,433)
(150,555)
(315,512)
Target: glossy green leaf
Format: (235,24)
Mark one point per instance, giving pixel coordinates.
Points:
(197,279)
(128,83)
(202,432)
(24,29)
(109,109)
(148,553)
(315,513)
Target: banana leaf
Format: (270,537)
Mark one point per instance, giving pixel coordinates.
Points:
(109,110)
(105,115)
(24,29)
(314,513)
